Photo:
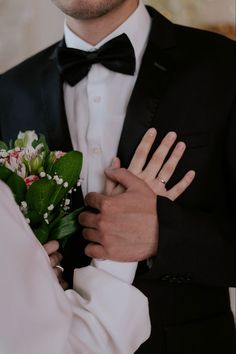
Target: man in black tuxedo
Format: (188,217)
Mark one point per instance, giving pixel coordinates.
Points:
(185,83)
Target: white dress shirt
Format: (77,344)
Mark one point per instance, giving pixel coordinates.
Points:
(102,315)
(96,106)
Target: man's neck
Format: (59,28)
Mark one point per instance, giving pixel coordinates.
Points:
(95,30)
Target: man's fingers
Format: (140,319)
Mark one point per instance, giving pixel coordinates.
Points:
(88,219)
(94,200)
(95,251)
(126,178)
(158,157)
(91,235)
(109,184)
(51,246)
(181,186)
(142,151)
(169,167)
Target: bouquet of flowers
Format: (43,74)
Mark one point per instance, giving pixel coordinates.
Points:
(42,182)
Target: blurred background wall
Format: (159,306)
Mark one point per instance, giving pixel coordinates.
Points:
(27,26)
(215,15)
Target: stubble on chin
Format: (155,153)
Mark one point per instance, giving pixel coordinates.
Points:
(87,9)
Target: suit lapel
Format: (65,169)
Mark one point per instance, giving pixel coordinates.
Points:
(58,136)
(154,75)
(54,109)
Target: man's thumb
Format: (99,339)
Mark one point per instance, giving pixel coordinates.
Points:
(122,176)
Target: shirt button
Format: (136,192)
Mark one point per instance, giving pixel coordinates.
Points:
(97,99)
(95,150)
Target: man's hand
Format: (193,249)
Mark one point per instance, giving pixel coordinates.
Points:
(126,227)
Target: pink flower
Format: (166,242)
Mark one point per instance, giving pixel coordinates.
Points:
(30,179)
(14,154)
(59,154)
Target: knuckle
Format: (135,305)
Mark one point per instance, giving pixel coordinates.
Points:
(158,157)
(169,167)
(140,152)
(108,249)
(105,205)
(101,224)
(85,233)
(88,251)
(81,218)
(60,257)
(54,260)
(87,198)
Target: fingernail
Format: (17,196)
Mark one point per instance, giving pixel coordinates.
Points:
(192,174)
(171,135)
(152,132)
(180,146)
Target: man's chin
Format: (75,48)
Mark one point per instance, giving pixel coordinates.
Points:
(87,9)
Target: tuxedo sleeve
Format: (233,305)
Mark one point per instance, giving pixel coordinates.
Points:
(37,316)
(198,246)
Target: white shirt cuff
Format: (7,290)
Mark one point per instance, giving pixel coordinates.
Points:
(124,271)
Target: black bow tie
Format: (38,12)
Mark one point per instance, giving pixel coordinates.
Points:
(116,55)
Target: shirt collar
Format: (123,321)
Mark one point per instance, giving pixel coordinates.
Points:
(137,28)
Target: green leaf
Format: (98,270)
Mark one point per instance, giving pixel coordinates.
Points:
(41,140)
(3,146)
(15,182)
(68,168)
(66,226)
(35,218)
(42,233)
(17,186)
(40,194)
(4,173)
(19,143)
(11,144)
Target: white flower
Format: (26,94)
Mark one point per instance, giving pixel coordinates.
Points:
(42,174)
(58,180)
(79,182)
(3,153)
(24,205)
(65,184)
(27,137)
(51,207)
(67,202)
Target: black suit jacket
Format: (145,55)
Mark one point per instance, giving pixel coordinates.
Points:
(186,84)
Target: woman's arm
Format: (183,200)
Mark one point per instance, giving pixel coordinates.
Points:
(37,316)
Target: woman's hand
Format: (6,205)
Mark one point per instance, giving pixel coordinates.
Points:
(51,247)
(157,172)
